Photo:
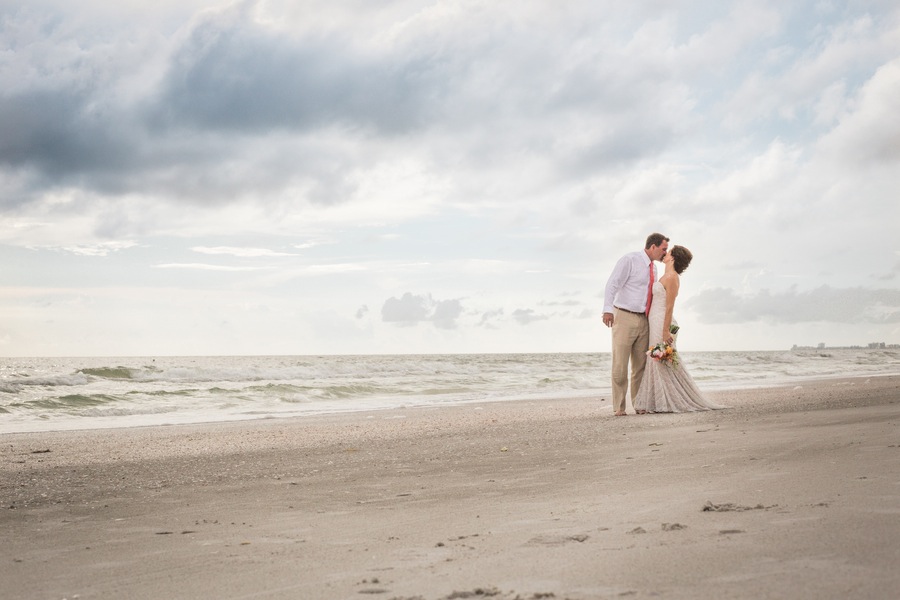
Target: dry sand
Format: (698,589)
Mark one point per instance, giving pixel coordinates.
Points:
(794,492)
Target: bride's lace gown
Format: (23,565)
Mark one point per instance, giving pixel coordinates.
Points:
(666,387)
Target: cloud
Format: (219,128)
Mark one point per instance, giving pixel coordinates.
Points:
(242,252)
(232,72)
(229,108)
(236,106)
(334,268)
(868,133)
(412,309)
(488,318)
(207,267)
(527,316)
(101,249)
(823,304)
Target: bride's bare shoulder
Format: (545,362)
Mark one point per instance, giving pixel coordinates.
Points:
(670,281)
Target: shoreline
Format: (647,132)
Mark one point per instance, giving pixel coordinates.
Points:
(600,394)
(518,498)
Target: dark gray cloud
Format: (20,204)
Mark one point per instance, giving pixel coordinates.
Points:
(58,134)
(231,73)
(411,309)
(229,106)
(823,304)
(89,123)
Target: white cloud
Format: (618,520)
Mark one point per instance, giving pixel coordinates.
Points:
(242,252)
(100,249)
(869,131)
(207,267)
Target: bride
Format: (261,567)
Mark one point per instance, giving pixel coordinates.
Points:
(667,386)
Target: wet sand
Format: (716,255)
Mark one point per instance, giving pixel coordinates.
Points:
(793,492)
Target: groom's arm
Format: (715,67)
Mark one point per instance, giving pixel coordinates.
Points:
(618,276)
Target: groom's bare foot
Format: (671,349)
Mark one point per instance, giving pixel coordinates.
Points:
(620,413)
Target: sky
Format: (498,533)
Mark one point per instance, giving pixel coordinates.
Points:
(356,177)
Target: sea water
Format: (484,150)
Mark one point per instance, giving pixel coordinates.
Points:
(45,394)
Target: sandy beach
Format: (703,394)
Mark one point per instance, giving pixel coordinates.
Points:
(793,492)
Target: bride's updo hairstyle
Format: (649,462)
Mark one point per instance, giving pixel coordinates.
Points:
(682,258)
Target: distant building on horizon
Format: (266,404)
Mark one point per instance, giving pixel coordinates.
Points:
(870,346)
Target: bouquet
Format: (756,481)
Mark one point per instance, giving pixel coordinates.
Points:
(664,353)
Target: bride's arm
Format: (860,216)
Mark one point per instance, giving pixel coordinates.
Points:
(671,284)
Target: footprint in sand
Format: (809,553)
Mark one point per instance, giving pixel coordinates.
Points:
(557,540)
(638,530)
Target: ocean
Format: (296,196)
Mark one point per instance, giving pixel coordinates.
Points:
(47,394)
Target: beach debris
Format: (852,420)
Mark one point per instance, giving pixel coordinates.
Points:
(638,530)
(372,590)
(504,449)
(729,507)
(477,592)
(730,531)
(41,451)
(673,526)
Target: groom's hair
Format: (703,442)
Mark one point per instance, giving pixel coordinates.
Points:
(682,258)
(655,239)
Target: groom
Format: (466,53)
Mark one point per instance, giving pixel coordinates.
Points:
(626,305)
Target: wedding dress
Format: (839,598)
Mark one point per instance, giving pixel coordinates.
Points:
(667,387)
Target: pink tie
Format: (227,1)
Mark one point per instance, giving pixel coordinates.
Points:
(650,290)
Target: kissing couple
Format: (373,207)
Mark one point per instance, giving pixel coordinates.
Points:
(639,309)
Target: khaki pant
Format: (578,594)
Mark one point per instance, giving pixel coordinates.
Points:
(630,341)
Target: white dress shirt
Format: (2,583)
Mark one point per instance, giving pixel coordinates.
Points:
(627,286)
